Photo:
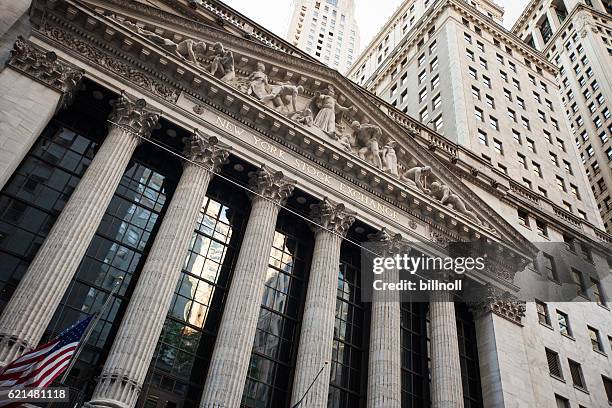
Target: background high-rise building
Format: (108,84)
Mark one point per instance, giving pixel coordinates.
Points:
(451,65)
(577,37)
(326,29)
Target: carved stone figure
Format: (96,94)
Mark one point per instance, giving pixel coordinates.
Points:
(258,82)
(346,141)
(222,64)
(366,138)
(304,117)
(417,176)
(389,158)
(187,49)
(446,197)
(284,96)
(326,109)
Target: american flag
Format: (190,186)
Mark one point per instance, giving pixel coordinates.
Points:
(39,367)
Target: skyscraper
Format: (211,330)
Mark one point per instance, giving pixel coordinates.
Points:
(576,36)
(326,29)
(455,68)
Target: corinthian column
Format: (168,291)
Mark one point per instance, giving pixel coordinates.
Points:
(29,311)
(317,335)
(385,365)
(230,359)
(126,367)
(446,388)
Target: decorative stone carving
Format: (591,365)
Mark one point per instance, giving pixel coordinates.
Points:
(188,49)
(417,177)
(206,151)
(391,244)
(222,64)
(389,158)
(325,109)
(133,115)
(501,303)
(124,70)
(366,138)
(442,193)
(284,96)
(332,216)
(44,66)
(304,117)
(272,185)
(258,82)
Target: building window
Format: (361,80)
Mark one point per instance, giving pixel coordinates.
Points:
(414,377)
(468,357)
(517,136)
(598,293)
(554,365)
(475,92)
(537,169)
(487,81)
(543,315)
(608,387)
(438,123)
(478,114)
(564,324)
(523,217)
(490,102)
(595,339)
(576,373)
(436,102)
(348,343)
(482,138)
(276,338)
(562,402)
(497,145)
(560,183)
(578,280)
(522,161)
(542,228)
(493,123)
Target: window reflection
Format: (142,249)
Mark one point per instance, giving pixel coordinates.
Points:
(186,343)
(415,378)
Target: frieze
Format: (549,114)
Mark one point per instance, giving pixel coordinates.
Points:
(126,70)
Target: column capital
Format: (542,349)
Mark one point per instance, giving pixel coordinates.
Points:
(270,184)
(45,66)
(206,151)
(390,244)
(133,115)
(501,303)
(332,216)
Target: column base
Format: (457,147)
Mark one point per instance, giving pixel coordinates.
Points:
(11,347)
(103,403)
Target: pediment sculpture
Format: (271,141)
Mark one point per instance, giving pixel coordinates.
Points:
(321,112)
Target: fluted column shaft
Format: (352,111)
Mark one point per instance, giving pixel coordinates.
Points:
(126,366)
(384,364)
(317,333)
(446,386)
(32,306)
(230,360)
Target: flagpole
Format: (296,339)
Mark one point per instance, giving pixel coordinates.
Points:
(90,328)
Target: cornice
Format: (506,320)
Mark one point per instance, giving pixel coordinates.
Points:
(419,153)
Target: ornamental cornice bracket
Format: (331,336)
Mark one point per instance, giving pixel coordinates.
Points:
(331,216)
(387,242)
(206,151)
(134,115)
(46,68)
(500,303)
(271,185)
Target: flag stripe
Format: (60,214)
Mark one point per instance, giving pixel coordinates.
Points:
(42,365)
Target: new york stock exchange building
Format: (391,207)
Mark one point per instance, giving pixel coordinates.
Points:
(222,186)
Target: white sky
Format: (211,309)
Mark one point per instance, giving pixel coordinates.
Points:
(370,14)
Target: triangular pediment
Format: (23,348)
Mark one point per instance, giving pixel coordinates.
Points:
(318,102)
